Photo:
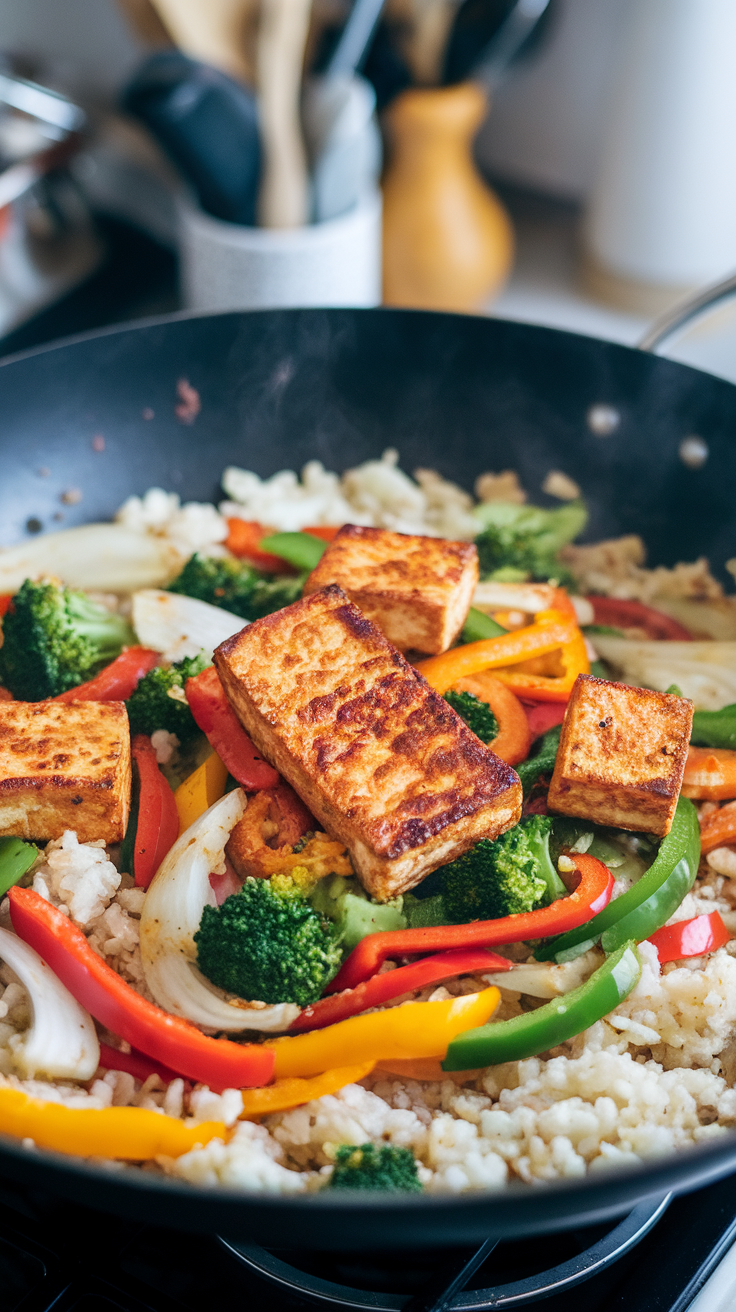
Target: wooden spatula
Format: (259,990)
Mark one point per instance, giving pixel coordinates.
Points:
(213,31)
(283,201)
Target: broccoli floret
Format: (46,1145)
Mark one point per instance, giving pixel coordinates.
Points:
(355,915)
(267,943)
(55,639)
(158,702)
(387,1168)
(522,542)
(512,874)
(235,586)
(477,714)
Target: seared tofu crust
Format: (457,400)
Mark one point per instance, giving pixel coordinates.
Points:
(64,765)
(622,755)
(380,759)
(417,590)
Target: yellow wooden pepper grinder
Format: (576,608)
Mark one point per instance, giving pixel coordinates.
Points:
(448,243)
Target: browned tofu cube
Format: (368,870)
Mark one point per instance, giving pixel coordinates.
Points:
(379,758)
(622,755)
(417,590)
(64,765)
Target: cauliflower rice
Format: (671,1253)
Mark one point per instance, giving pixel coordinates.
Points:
(656,1075)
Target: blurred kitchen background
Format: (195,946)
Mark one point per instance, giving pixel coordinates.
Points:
(565,162)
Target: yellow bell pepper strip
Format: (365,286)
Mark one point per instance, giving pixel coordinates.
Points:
(177,1043)
(418,1029)
(132,1134)
(551,630)
(282,1095)
(200,790)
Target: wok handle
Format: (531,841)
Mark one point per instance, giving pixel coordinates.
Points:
(672,320)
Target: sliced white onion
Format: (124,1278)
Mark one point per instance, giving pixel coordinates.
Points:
(171,915)
(703,671)
(62,1040)
(543,979)
(97,557)
(181,626)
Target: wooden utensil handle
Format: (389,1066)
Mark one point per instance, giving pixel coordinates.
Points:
(283,33)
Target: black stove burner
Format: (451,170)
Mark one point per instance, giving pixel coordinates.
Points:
(59,1257)
(460,1285)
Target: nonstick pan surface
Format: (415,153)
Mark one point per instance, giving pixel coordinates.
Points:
(460,395)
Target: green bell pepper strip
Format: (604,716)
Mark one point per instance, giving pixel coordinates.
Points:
(300,549)
(715,728)
(562,1018)
(652,899)
(16,858)
(479,626)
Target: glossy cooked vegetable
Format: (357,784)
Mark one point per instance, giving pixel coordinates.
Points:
(283,1094)
(710,774)
(117,681)
(552,630)
(101,991)
(591,895)
(512,874)
(715,728)
(217,720)
(521,541)
(690,938)
(553,1023)
(155,826)
(645,907)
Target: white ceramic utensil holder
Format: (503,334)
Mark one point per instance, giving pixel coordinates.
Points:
(228,267)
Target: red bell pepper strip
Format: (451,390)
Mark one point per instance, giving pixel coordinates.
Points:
(219,1063)
(542,716)
(157,827)
(244,538)
(135,1064)
(327,533)
(5,601)
(690,938)
(620,614)
(117,681)
(217,719)
(382,988)
(592,894)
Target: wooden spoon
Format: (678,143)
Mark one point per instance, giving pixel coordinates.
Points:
(284,197)
(213,31)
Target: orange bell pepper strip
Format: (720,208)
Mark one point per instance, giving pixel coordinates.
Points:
(592,894)
(283,1094)
(514,737)
(327,532)
(718,828)
(418,1029)
(177,1043)
(131,1134)
(710,774)
(551,630)
(574,655)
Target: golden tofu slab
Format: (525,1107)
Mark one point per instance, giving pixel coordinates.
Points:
(64,765)
(417,590)
(622,755)
(379,758)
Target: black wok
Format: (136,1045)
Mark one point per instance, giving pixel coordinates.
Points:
(461,395)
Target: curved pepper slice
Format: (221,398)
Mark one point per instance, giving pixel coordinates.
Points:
(282,1095)
(513,740)
(690,938)
(562,1018)
(551,630)
(652,900)
(217,720)
(157,821)
(418,1029)
(717,828)
(392,983)
(710,774)
(117,681)
(200,790)
(180,1045)
(131,1134)
(591,895)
